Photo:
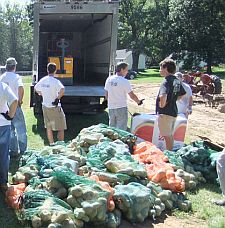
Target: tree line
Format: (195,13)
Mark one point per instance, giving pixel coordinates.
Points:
(192,30)
(16,35)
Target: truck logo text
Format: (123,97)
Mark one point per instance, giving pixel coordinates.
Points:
(49,6)
(76,7)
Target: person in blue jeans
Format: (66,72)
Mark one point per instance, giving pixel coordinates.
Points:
(18,128)
(8,105)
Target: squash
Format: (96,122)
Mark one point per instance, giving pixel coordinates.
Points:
(71,201)
(60,217)
(79,213)
(61,193)
(54,183)
(168,204)
(88,194)
(68,223)
(45,216)
(36,222)
(158,210)
(158,176)
(111,205)
(76,191)
(79,223)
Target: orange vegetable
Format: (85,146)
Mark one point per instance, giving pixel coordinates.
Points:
(111,205)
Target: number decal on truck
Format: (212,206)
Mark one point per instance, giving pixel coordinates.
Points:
(76,7)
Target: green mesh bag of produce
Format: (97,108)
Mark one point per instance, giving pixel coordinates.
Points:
(134,200)
(34,202)
(174,158)
(214,157)
(102,152)
(70,179)
(29,158)
(112,133)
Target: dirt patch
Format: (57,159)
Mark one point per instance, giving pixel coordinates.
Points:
(204,121)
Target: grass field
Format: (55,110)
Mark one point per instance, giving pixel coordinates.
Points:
(202,207)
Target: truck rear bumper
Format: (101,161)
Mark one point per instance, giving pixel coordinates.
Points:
(84,91)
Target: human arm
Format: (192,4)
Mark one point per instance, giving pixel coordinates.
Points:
(20,95)
(12,109)
(162,100)
(12,103)
(60,95)
(106,94)
(134,97)
(189,111)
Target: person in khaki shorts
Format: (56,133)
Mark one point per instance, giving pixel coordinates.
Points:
(170,91)
(51,89)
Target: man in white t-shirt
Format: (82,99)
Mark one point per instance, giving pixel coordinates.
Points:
(184,105)
(18,142)
(116,90)
(8,105)
(51,90)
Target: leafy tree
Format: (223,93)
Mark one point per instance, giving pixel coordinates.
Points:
(199,26)
(135,26)
(144,27)
(4,51)
(18,34)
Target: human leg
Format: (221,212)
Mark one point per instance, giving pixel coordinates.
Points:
(4,153)
(169,142)
(112,118)
(60,135)
(50,135)
(21,131)
(166,127)
(121,118)
(14,149)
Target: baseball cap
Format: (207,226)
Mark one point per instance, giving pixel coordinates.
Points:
(11,61)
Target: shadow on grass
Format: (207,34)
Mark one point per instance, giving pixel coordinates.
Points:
(150,223)
(13,165)
(75,123)
(148,73)
(8,216)
(213,187)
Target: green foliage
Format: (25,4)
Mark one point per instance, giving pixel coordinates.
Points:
(140,21)
(16,36)
(199,28)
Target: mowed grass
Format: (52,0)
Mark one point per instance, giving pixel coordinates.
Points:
(35,125)
(148,76)
(201,198)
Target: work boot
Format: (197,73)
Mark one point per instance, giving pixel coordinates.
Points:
(219,202)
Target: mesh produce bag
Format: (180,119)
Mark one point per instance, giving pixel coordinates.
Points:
(134,200)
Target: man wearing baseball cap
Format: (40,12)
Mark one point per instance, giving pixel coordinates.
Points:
(18,143)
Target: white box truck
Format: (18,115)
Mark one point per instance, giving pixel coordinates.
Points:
(81,38)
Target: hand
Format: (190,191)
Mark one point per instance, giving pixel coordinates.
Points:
(6,115)
(20,103)
(189,111)
(141,102)
(55,102)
